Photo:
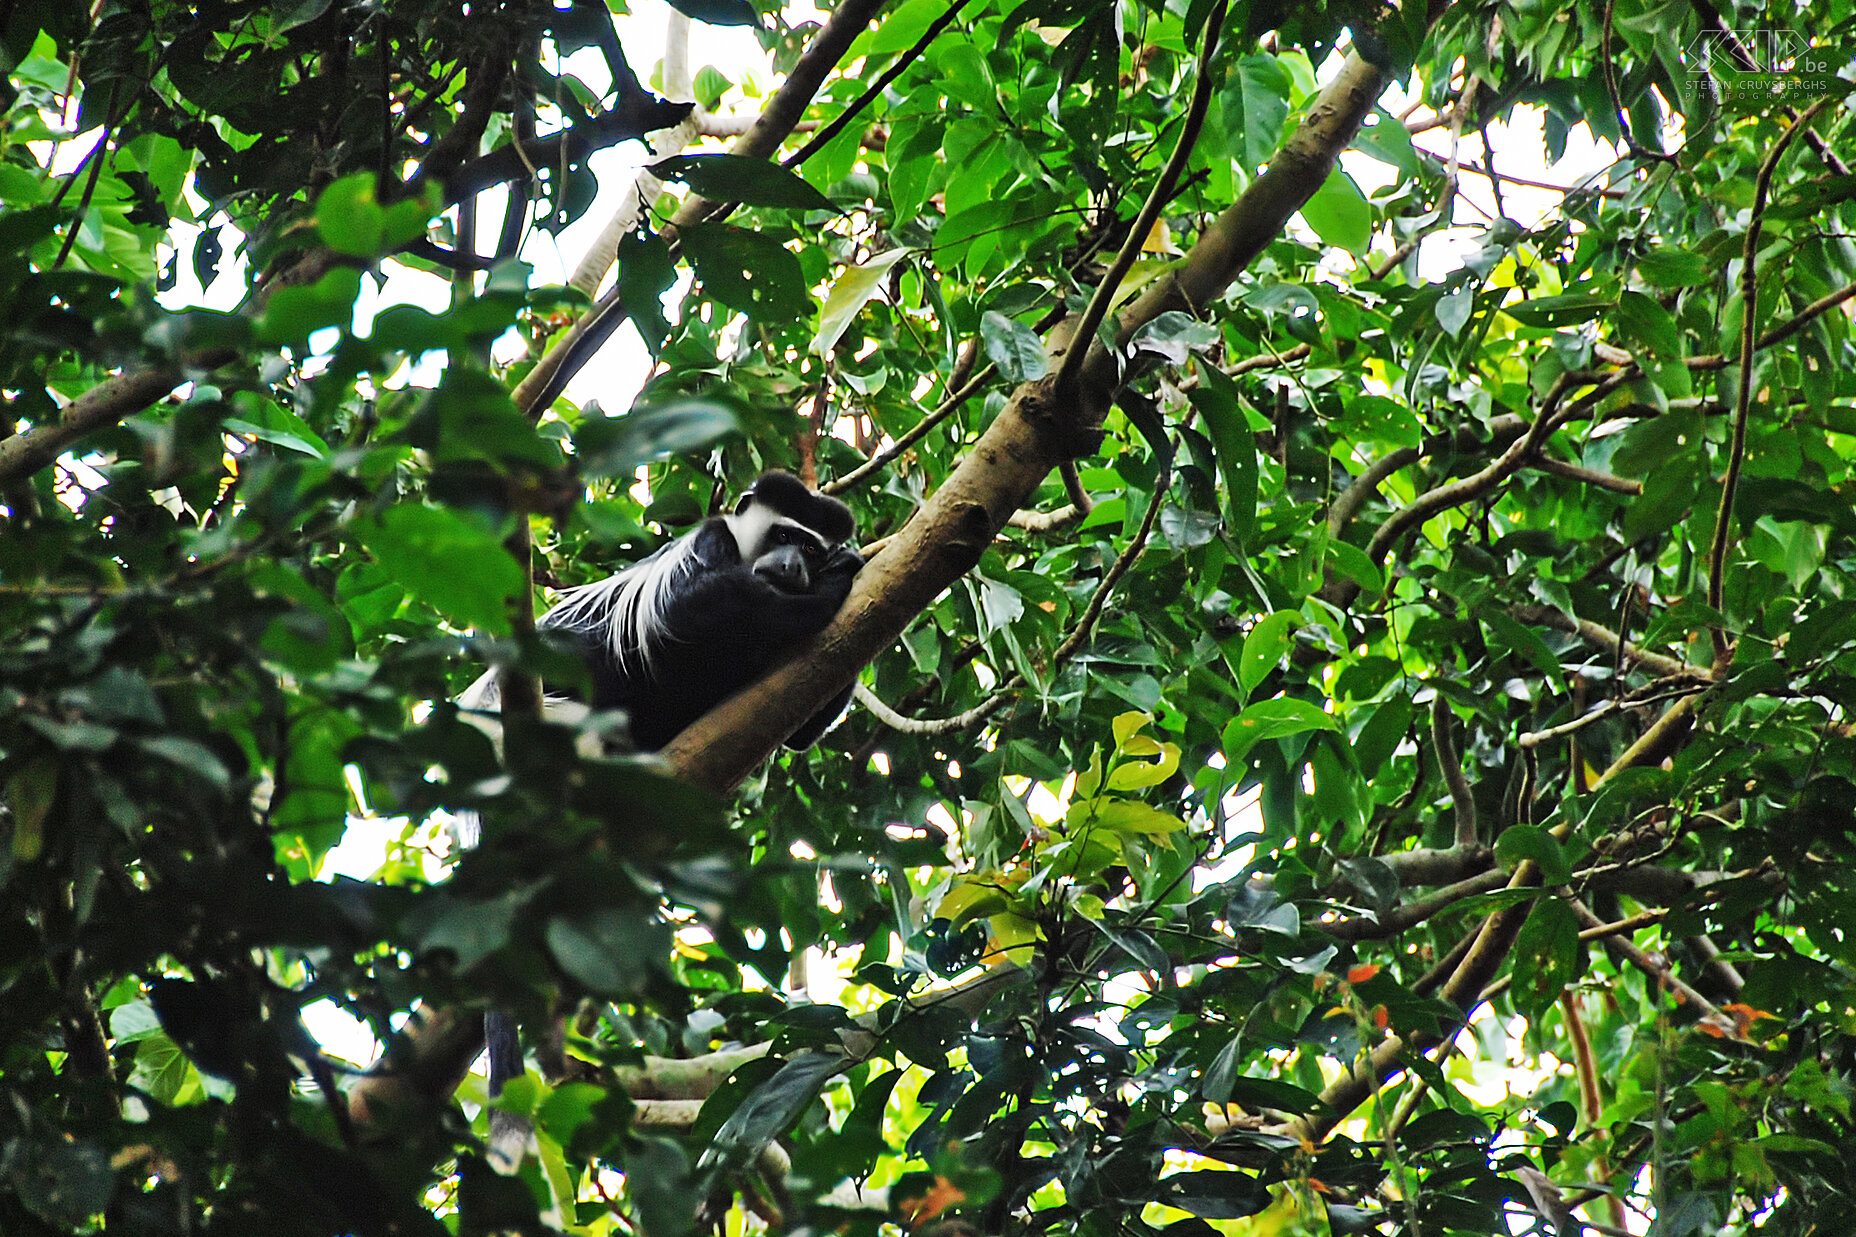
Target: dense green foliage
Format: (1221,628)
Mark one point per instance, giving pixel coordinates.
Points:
(1418,772)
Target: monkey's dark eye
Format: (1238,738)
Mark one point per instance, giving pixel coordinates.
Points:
(793,537)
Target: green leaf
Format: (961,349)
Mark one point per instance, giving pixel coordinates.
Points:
(770,1109)
(184,753)
(268,421)
(454,565)
(1673,267)
(646,272)
(1525,643)
(1216,400)
(1568,310)
(1214,1195)
(64,1183)
(609,950)
(289,14)
(471,931)
(293,313)
(1453,311)
(73,736)
(903,25)
(1176,336)
(1354,563)
(736,178)
(1547,957)
(407,218)
(1140,947)
(1520,842)
(1387,140)
(1255,102)
(616,446)
(1792,548)
(1265,645)
(349,217)
(30,792)
(1649,324)
(1272,719)
(657,1179)
(1013,347)
(1340,214)
(748,271)
(1667,495)
(1381,734)
(709,86)
(1123,816)
(848,297)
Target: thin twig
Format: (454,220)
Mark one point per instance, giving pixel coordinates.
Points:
(1535,738)
(1079,635)
(1606,639)
(1603,480)
(1083,337)
(1749,326)
(875,90)
(1461,797)
(1656,970)
(920,431)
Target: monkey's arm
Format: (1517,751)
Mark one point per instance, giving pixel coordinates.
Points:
(727,601)
(835,581)
(735,611)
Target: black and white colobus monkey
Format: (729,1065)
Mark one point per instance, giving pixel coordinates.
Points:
(669,638)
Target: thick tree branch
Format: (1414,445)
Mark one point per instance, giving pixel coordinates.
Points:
(1030,436)
(631,120)
(1606,639)
(103,405)
(789,103)
(577,346)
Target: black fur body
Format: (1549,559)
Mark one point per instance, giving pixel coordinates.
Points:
(674,635)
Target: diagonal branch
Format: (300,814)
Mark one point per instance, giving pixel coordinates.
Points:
(1033,433)
(103,405)
(1468,982)
(1084,330)
(1606,639)
(577,346)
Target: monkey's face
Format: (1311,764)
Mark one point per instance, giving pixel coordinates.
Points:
(785,553)
(788,568)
